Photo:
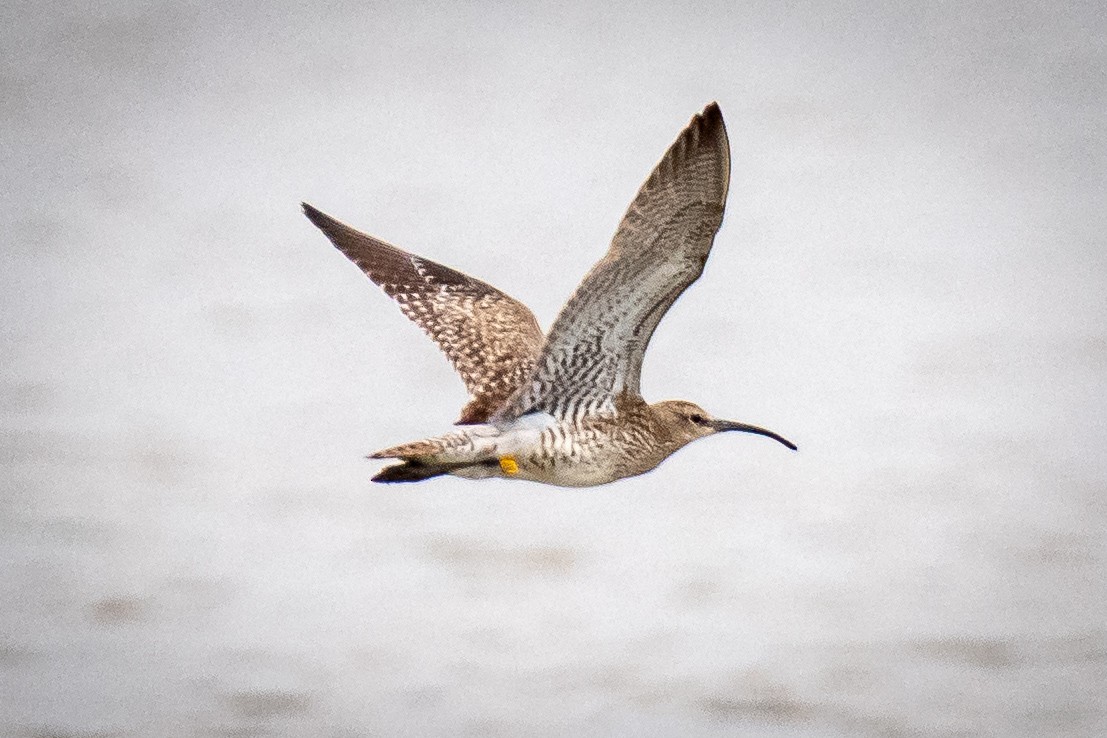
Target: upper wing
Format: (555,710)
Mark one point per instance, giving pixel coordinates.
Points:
(594,350)
(491,339)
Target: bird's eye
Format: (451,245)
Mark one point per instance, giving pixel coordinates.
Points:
(697,418)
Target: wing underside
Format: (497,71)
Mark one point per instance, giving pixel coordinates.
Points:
(594,350)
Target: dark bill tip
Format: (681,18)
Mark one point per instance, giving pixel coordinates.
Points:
(729,425)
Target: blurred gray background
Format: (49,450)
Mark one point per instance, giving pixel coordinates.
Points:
(911,283)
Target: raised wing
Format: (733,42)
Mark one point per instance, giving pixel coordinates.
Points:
(594,351)
(491,339)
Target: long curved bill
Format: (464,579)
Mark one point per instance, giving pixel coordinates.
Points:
(730,425)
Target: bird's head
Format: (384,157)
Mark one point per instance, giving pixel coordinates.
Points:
(688,421)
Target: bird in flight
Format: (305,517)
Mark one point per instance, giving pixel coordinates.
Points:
(565,408)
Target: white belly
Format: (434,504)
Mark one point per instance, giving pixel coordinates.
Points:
(538,448)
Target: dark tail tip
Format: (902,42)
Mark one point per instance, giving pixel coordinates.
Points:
(407,471)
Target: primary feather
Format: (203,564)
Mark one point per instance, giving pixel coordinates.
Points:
(490,338)
(594,350)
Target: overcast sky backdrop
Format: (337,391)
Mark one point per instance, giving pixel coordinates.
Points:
(910,282)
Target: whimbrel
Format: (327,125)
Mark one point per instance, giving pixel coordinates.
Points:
(565,408)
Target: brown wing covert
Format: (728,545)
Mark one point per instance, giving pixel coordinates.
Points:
(491,339)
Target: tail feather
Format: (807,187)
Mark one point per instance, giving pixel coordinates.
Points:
(429,447)
(409,471)
(413,470)
(431,457)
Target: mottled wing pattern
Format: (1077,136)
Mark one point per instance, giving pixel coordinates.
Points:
(491,339)
(594,350)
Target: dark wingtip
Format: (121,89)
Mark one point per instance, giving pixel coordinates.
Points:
(316,216)
(711,116)
(708,130)
(341,235)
